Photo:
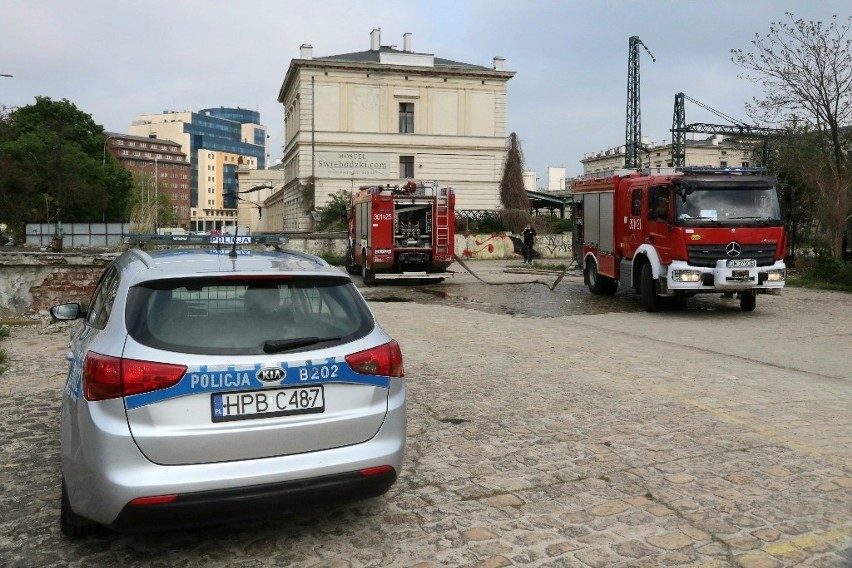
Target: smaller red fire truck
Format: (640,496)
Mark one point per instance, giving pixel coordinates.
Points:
(677,234)
(403,231)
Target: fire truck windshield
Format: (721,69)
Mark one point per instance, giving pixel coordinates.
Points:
(728,205)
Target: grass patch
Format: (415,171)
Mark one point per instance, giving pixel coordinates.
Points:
(817,284)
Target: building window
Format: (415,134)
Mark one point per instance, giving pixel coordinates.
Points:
(406,118)
(723,164)
(406,167)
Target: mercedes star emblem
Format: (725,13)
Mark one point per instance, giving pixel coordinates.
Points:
(733,249)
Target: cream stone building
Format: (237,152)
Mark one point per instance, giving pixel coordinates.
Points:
(385,116)
(714,151)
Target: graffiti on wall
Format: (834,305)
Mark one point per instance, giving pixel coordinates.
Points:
(554,246)
(499,246)
(484,247)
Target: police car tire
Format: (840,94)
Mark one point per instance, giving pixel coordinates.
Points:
(72,524)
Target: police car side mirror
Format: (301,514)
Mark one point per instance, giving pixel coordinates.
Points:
(67,312)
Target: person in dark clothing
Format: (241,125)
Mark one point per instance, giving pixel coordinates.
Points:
(528,235)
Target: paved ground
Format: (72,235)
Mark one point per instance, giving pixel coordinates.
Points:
(703,437)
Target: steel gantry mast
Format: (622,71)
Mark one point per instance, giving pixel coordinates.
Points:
(633,137)
(737,129)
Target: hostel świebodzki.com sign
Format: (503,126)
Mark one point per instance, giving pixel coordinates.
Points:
(358,165)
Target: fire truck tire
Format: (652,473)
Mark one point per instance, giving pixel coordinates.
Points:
(648,291)
(369,276)
(748,301)
(351,267)
(599,284)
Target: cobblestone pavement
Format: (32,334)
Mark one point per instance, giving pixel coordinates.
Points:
(700,437)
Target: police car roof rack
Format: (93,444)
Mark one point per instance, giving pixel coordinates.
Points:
(698,170)
(277,241)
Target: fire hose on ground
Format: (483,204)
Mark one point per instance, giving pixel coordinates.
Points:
(551,286)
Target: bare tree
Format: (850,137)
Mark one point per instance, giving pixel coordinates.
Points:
(513,195)
(805,69)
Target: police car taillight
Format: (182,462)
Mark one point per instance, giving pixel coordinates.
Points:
(383,360)
(107,377)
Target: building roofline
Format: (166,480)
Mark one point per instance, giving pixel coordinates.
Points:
(366,66)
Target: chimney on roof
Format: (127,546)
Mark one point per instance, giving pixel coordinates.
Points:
(376,39)
(499,63)
(406,42)
(306,51)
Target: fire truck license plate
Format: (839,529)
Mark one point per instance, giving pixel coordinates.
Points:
(742,263)
(267,403)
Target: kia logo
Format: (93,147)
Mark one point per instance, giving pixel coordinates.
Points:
(733,249)
(271,374)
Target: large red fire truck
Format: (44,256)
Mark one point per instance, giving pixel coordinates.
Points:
(403,231)
(677,234)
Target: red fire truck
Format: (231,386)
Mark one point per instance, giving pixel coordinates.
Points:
(403,231)
(677,234)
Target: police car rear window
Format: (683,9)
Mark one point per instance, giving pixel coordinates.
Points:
(245,316)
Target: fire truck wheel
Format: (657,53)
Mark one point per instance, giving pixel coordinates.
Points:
(648,291)
(599,284)
(351,267)
(748,301)
(369,276)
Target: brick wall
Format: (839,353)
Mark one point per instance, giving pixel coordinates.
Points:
(69,284)
(31,282)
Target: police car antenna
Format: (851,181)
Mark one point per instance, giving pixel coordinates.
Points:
(233,253)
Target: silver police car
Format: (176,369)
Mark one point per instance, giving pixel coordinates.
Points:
(209,386)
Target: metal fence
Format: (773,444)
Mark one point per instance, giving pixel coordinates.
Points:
(76,235)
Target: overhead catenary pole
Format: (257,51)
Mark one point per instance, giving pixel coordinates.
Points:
(633,133)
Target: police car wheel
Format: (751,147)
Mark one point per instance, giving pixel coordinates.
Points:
(72,524)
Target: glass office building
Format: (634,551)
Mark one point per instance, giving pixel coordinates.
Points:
(230,130)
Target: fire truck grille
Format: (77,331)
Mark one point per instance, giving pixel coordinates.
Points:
(707,255)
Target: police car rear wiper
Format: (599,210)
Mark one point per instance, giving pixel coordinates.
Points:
(279,345)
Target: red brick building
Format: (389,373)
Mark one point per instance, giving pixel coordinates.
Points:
(160,160)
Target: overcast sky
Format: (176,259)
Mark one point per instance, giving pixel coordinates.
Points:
(116,60)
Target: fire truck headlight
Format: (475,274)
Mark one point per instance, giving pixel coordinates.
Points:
(775,275)
(686,276)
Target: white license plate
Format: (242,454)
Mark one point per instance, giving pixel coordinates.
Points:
(742,263)
(267,403)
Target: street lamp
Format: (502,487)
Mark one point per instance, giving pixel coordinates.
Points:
(156,193)
(103,161)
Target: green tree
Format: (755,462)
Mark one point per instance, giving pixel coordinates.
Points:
(52,168)
(149,206)
(513,195)
(805,69)
(333,215)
